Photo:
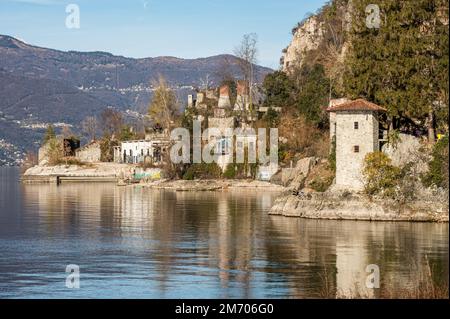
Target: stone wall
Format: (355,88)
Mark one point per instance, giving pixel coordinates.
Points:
(89,154)
(221,123)
(42,154)
(405,150)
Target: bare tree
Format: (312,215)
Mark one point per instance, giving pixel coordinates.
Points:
(89,126)
(205,83)
(333,58)
(66,131)
(111,121)
(247,51)
(163,108)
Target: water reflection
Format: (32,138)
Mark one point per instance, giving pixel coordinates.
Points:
(135,242)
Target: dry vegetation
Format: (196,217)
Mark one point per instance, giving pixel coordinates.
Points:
(424,287)
(321,177)
(302,138)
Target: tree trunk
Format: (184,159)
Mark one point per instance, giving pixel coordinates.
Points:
(391,125)
(430,124)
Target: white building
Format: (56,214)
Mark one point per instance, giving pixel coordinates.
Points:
(149,149)
(134,152)
(354,126)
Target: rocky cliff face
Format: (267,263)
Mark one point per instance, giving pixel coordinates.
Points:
(307,38)
(318,34)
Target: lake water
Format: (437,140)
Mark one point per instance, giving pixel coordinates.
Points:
(132,242)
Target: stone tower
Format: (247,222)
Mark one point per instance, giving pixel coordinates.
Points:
(242,99)
(354,126)
(224,97)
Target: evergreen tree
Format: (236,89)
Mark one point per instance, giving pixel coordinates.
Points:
(403,65)
(49,134)
(313,94)
(163,108)
(278,88)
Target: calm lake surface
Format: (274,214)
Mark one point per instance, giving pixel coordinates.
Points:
(131,242)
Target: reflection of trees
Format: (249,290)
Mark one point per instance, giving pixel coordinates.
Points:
(226,221)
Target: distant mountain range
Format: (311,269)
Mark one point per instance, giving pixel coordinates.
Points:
(40,86)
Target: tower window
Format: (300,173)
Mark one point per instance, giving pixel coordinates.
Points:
(356,148)
(356,125)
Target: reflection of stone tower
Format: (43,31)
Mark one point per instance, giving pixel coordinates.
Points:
(223,237)
(242,99)
(355,126)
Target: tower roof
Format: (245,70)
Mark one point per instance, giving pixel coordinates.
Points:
(224,98)
(356,105)
(242,87)
(224,91)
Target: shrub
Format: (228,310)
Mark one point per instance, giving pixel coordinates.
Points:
(240,171)
(189,175)
(55,151)
(381,177)
(302,136)
(230,171)
(438,166)
(203,171)
(321,184)
(31,159)
(321,177)
(49,134)
(107,149)
(394,138)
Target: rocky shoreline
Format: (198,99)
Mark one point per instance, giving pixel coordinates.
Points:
(353,206)
(212,185)
(333,204)
(111,172)
(99,172)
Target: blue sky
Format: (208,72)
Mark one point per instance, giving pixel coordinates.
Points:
(148,28)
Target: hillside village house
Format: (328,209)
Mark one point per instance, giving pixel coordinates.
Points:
(355,127)
(150,149)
